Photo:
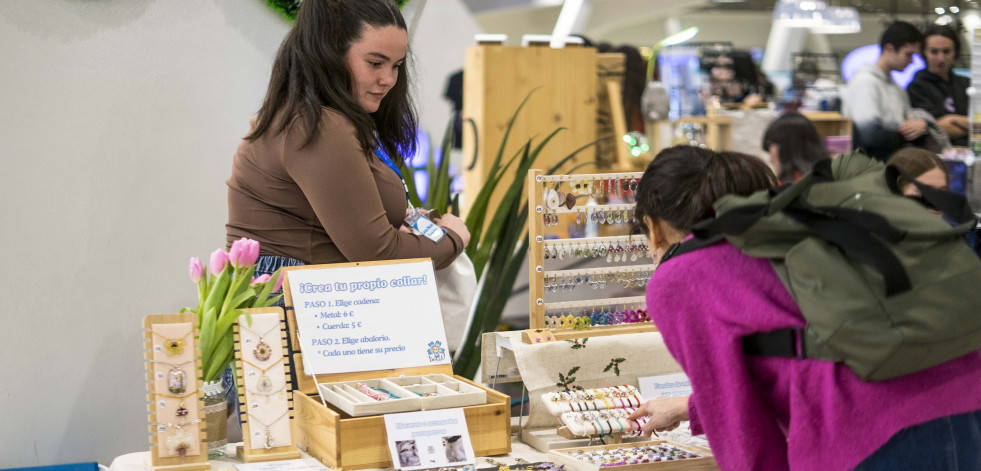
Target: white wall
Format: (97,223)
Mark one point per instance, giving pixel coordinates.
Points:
(118,125)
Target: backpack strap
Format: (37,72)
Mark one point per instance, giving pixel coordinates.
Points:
(776,343)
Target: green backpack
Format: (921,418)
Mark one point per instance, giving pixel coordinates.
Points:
(885,285)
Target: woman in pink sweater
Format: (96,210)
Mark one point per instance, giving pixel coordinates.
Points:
(770,413)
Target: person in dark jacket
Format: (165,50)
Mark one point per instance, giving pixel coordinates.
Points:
(937,89)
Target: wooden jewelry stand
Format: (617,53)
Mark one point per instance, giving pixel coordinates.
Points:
(163,347)
(540,332)
(259,444)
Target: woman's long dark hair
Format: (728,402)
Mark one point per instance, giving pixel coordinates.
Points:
(799,145)
(310,72)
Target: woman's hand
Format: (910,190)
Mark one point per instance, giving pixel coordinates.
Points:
(663,413)
(455,224)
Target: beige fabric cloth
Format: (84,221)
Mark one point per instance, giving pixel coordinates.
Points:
(540,365)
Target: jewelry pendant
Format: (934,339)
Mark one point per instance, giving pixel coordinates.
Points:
(264,384)
(262,351)
(179,442)
(181,410)
(602,217)
(174,346)
(176,380)
(570,201)
(269,439)
(578,218)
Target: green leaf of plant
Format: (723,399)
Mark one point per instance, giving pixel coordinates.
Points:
(208,333)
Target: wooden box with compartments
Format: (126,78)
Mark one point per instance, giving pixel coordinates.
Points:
(342,425)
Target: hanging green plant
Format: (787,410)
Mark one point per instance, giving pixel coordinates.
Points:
(288,8)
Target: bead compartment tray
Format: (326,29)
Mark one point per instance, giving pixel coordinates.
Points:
(415,393)
(687,457)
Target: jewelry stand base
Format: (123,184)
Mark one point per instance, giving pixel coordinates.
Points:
(550,438)
(275,456)
(148,465)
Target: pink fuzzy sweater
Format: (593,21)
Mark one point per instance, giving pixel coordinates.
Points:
(781,413)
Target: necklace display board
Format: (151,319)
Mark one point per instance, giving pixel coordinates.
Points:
(346,318)
(262,380)
(629,262)
(654,455)
(176,406)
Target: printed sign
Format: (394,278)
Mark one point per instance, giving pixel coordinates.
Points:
(368,318)
(672,385)
(429,439)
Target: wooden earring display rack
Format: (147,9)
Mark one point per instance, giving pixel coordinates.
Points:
(178,441)
(542,280)
(264,392)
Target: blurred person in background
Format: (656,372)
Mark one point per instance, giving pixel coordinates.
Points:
(937,89)
(794,146)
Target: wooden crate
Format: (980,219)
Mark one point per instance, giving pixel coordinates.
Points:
(345,442)
(341,441)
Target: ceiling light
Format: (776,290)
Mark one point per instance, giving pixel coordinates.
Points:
(955,10)
(839,20)
(802,14)
(939,10)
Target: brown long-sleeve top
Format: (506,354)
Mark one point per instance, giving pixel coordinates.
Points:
(328,202)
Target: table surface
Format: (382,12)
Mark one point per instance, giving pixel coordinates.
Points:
(137,461)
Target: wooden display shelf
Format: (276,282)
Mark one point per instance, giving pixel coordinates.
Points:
(718,132)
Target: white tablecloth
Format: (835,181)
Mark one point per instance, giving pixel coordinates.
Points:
(137,461)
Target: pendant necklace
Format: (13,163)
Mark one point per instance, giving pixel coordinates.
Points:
(179,442)
(262,350)
(269,441)
(264,383)
(176,377)
(266,394)
(181,410)
(173,346)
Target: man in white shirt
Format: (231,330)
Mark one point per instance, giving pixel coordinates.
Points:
(876,105)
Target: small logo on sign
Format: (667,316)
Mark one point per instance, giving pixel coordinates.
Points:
(436,351)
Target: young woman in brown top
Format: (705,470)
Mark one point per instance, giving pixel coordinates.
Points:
(310,182)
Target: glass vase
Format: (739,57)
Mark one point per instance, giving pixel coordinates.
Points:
(216,417)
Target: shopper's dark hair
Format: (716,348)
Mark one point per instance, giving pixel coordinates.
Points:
(900,34)
(683,182)
(916,162)
(311,72)
(947,32)
(634,81)
(799,144)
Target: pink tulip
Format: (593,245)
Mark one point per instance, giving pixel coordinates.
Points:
(196,269)
(261,279)
(218,260)
(279,282)
(235,253)
(251,255)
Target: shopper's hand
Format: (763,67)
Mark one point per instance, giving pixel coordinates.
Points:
(455,224)
(912,129)
(663,413)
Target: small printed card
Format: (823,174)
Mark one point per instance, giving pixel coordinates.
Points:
(672,385)
(429,439)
